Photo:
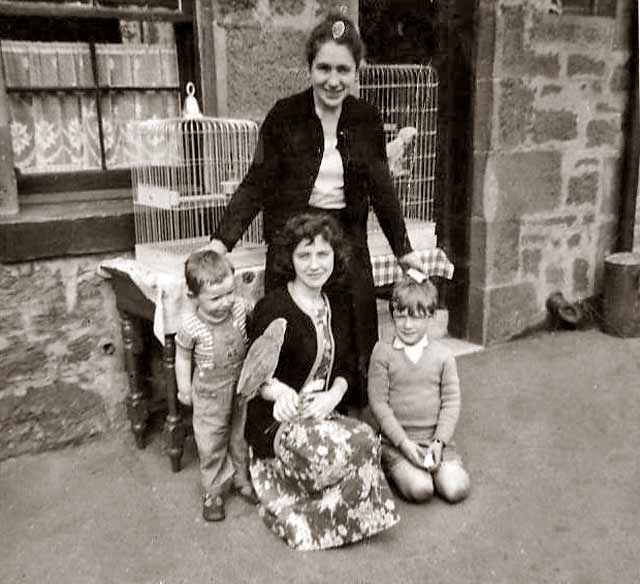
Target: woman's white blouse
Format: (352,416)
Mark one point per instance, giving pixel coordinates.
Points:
(328,190)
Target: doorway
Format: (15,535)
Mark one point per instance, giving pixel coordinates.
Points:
(439,33)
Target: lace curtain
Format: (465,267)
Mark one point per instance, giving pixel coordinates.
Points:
(56,131)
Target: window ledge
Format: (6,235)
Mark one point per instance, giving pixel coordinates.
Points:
(70,228)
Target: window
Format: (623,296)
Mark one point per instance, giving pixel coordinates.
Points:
(74,88)
(590,7)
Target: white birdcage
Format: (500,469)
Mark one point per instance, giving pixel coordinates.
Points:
(185,171)
(407,97)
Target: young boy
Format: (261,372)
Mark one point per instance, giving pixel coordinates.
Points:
(414,395)
(215,338)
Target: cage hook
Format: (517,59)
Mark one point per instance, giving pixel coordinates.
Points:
(191,108)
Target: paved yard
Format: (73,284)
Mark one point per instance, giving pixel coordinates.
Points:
(550,431)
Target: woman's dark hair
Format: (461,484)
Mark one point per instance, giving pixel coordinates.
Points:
(306,226)
(342,34)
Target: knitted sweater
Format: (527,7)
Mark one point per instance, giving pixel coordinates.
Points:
(419,401)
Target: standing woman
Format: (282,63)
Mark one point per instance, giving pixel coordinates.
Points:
(323,151)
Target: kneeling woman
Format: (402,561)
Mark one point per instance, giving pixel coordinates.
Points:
(316,472)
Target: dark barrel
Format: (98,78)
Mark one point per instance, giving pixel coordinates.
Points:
(621,302)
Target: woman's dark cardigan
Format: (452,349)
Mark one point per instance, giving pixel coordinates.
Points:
(280,180)
(296,359)
(286,164)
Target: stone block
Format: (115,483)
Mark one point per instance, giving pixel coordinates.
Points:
(626,13)
(503,251)
(554,275)
(542,65)
(609,108)
(328,6)
(527,182)
(478,252)
(588,32)
(550,89)
(288,7)
(480,161)
(583,189)
(510,311)
(236,8)
(602,133)
(580,277)
(477,312)
(483,115)
(512,35)
(586,162)
(554,125)
(574,240)
(531,259)
(49,418)
(561,220)
(515,111)
(581,65)
(271,59)
(486,39)
(620,78)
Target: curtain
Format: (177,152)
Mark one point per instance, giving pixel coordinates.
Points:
(56,131)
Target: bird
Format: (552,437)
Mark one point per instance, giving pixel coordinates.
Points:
(396,148)
(262,359)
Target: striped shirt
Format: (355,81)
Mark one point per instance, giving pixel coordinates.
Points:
(196,335)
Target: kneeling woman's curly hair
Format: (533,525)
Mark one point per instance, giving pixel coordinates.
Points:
(306,226)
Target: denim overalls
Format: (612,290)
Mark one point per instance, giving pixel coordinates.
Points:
(218,417)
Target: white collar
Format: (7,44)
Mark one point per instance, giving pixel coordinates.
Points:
(414,352)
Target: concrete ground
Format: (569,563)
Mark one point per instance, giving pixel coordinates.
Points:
(550,431)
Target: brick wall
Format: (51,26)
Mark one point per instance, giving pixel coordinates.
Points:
(550,98)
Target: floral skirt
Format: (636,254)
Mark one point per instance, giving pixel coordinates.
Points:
(325,487)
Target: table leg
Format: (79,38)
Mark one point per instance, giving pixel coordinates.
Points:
(173,426)
(137,407)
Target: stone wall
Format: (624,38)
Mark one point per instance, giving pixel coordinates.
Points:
(550,99)
(61,357)
(260,55)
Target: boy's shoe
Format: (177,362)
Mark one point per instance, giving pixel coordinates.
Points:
(248,494)
(213,508)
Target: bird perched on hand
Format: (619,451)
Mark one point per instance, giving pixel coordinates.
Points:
(262,359)
(397,147)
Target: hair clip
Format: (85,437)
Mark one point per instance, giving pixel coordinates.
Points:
(416,275)
(337,30)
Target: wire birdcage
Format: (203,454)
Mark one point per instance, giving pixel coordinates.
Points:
(185,171)
(407,97)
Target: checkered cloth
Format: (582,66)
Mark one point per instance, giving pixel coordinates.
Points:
(168,291)
(435,263)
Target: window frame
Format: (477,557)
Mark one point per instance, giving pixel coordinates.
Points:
(39,184)
(75,214)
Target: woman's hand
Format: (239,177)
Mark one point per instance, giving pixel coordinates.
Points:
(319,405)
(411,260)
(413,452)
(286,403)
(217,246)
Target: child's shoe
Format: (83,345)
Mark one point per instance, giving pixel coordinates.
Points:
(213,508)
(248,494)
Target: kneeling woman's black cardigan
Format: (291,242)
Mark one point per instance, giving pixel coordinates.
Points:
(296,360)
